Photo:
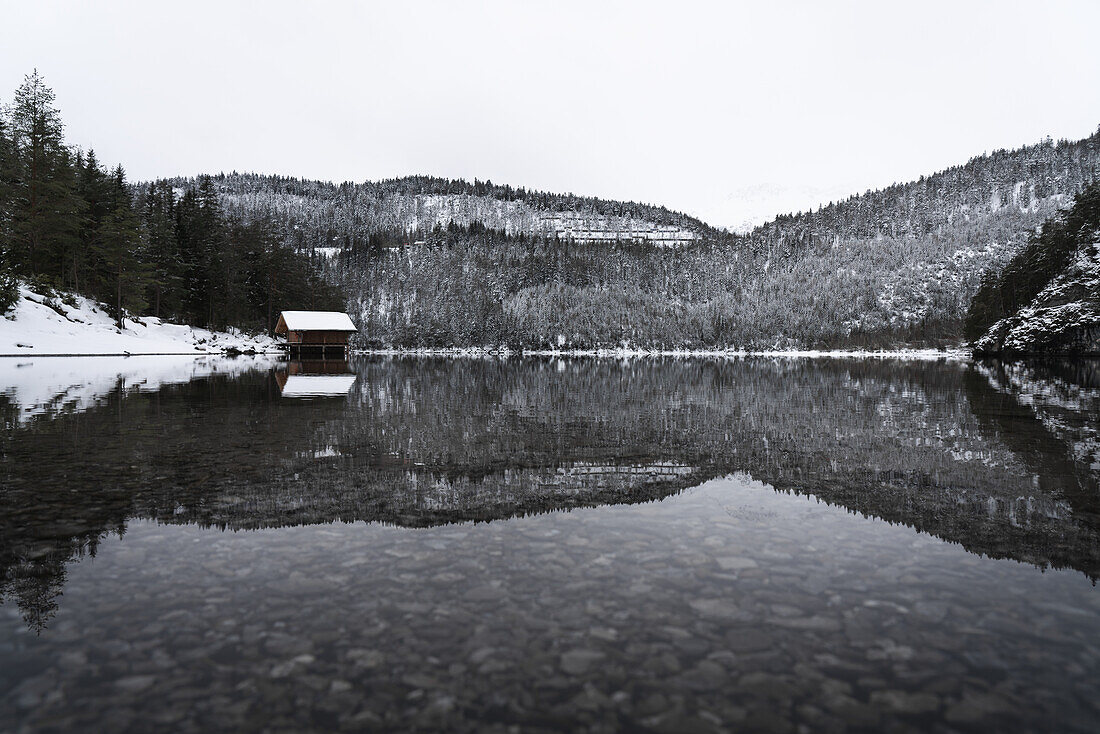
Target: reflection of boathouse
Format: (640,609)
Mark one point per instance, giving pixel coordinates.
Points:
(320,333)
(315,379)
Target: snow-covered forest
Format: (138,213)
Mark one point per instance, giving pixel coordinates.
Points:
(70,225)
(1047,298)
(440,263)
(430,262)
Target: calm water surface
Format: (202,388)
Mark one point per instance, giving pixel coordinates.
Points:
(544,545)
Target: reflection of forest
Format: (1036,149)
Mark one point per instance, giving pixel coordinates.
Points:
(1048,414)
(940,447)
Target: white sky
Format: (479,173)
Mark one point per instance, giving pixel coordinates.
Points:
(724,110)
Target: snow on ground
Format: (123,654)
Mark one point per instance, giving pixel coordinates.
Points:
(51,385)
(41,325)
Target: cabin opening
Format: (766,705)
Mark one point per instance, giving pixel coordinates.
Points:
(321,334)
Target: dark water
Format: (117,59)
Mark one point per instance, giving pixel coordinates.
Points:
(757,545)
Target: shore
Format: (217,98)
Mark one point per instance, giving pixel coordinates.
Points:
(70,326)
(957,354)
(73,326)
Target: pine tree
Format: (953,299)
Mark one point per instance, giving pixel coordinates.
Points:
(7,172)
(93,187)
(159,214)
(45,215)
(122,274)
(202,238)
(9,286)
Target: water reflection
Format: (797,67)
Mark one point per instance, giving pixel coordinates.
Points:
(998,458)
(315,379)
(728,566)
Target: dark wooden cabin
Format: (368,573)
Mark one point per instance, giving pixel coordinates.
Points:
(316,333)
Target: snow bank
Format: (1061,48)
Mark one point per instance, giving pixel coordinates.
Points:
(40,325)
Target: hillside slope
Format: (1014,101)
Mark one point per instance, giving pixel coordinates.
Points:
(1047,298)
(1064,317)
(40,325)
(434,262)
(322,214)
(906,260)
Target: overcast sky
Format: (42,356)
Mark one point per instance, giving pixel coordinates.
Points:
(724,110)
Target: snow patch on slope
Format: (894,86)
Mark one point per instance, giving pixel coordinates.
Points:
(43,325)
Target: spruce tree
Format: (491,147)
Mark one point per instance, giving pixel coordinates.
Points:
(122,274)
(9,288)
(45,214)
(7,171)
(93,188)
(159,214)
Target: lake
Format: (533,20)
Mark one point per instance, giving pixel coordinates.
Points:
(668,545)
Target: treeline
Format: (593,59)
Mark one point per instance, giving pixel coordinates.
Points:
(68,223)
(1048,253)
(542,200)
(345,203)
(322,214)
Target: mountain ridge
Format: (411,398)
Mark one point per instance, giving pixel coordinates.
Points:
(422,257)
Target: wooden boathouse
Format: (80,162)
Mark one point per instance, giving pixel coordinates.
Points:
(316,333)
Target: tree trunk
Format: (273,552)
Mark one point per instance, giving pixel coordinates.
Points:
(118,298)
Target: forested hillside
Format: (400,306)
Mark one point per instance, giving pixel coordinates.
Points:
(318,214)
(434,262)
(70,224)
(1047,298)
(431,262)
(906,260)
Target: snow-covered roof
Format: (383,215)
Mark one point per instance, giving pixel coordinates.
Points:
(314,321)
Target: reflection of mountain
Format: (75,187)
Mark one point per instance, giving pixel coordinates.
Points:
(406,495)
(420,442)
(1059,403)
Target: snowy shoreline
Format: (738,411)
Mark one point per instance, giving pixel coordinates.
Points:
(74,326)
(909,354)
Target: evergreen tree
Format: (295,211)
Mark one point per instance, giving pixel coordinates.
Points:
(45,216)
(93,189)
(7,173)
(9,290)
(165,282)
(121,273)
(203,241)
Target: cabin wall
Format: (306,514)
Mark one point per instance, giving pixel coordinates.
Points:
(317,337)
